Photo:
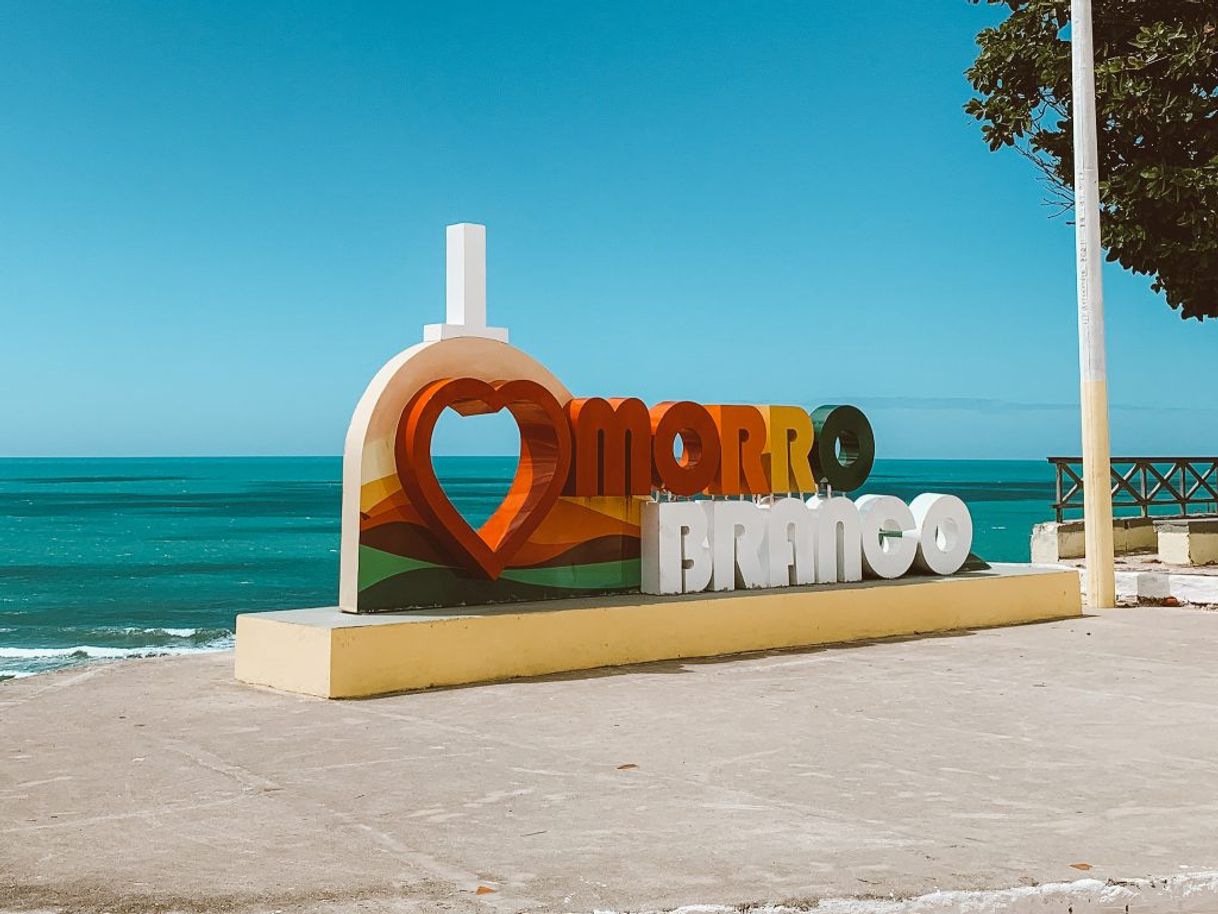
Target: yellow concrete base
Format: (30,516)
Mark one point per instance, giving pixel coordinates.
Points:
(333,654)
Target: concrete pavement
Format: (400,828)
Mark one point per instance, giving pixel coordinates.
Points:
(970,762)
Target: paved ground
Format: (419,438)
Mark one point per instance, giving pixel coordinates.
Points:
(977,761)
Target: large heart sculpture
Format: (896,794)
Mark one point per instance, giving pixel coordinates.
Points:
(545,457)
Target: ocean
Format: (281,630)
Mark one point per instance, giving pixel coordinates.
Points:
(110,558)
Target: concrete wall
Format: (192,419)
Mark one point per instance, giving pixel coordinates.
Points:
(1054,542)
(1188,542)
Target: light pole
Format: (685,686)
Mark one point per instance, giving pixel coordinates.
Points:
(1097,478)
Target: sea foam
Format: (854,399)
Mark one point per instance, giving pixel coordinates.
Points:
(95,652)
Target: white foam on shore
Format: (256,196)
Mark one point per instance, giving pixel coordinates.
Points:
(154,631)
(14,674)
(1188,893)
(168,632)
(94,652)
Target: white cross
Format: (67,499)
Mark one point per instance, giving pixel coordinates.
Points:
(465,287)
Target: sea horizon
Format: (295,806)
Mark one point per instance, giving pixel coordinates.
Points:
(439,455)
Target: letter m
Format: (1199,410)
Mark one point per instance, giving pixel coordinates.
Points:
(611,447)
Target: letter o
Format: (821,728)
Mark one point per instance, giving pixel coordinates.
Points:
(700,449)
(887,556)
(843,451)
(945,532)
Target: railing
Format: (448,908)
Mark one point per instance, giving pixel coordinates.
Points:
(1145,483)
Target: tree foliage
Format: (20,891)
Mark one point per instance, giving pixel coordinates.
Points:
(1157,103)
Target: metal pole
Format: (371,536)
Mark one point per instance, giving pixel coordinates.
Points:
(1097,476)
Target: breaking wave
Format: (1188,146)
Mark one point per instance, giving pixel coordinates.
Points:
(19,661)
(95,652)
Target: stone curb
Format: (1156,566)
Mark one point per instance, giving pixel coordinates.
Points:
(1201,589)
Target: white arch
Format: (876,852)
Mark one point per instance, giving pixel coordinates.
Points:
(368,452)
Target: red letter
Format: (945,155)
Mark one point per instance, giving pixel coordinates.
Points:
(700,447)
(612,441)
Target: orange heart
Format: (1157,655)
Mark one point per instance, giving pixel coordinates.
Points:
(545,457)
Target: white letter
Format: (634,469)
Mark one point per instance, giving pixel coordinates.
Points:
(737,540)
(791,542)
(676,552)
(945,532)
(887,556)
(838,556)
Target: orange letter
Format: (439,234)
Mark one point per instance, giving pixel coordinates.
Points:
(612,442)
(788,449)
(742,439)
(699,447)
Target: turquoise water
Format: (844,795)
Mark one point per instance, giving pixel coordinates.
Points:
(118,558)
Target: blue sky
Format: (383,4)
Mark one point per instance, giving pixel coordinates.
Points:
(218,219)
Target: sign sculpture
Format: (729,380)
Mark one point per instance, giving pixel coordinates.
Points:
(610,495)
(652,510)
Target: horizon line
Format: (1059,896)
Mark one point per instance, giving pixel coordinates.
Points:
(467,456)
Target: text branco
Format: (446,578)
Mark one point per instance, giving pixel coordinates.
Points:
(698,545)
